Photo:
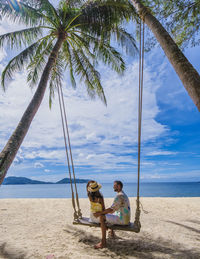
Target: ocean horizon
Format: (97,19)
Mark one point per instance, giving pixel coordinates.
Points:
(156,189)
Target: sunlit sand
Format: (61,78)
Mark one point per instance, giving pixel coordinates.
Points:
(42,228)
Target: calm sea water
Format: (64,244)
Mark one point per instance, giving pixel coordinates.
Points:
(64,191)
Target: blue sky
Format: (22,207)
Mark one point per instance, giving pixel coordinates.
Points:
(104,139)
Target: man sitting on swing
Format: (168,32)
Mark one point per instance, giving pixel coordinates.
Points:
(119,212)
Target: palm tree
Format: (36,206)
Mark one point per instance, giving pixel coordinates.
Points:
(186,72)
(73,36)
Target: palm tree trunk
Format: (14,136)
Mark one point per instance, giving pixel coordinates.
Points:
(10,150)
(186,72)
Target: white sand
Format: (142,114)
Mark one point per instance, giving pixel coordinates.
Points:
(41,228)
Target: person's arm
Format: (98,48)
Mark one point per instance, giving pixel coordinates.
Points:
(106,211)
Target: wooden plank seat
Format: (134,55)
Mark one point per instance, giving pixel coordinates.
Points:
(86,222)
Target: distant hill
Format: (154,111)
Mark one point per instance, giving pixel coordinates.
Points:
(22,180)
(12,180)
(67,180)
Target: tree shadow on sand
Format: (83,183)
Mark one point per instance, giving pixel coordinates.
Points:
(195,230)
(131,245)
(185,226)
(7,252)
(194,221)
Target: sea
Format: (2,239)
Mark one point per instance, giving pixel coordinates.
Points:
(175,189)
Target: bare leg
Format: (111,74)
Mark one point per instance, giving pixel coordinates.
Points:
(102,244)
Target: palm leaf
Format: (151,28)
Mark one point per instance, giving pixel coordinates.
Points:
(17,63)
(19,12)
(68,59)
(104,13)
(49,11)
(102,51)
(82,42)
(56,77)
(37,64)
(20,38)
(110,56)
(88,74)
(125,40)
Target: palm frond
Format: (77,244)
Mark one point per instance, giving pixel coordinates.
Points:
(71,4)
(17,63)
(20,38)
(20,12)
(49,11)
(37,64)
(82,42)
(68,59)
(105,13)
(110,56)
(56,77)
(68,14)
(125,40)
(71,22)
(88,73)
(102,51)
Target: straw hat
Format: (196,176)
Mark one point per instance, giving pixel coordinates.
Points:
(93,187)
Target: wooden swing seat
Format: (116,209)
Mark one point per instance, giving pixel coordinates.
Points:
(86,222)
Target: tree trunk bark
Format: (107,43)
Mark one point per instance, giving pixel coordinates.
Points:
(186,72)
(10,150)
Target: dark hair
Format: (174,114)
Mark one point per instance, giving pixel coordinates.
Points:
(119,183)
(93,195)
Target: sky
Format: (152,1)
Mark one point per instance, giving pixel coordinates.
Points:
(104,139)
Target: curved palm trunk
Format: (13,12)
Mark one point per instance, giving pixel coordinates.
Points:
(186,72)
(10,150)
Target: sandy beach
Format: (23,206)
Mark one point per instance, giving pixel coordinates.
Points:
(42,228)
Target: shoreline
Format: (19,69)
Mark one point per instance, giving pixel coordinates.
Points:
(131,197)
(42,228)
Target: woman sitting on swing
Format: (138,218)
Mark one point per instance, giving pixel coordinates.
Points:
(97,205)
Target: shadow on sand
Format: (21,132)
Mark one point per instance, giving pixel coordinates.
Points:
(185,226)
(194,221)
(131,245)
(127,246)
(7,252)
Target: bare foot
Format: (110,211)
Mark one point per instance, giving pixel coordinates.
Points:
(99,246)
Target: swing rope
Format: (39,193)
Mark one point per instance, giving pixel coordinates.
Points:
(77,214)
(70,151)
(141,69)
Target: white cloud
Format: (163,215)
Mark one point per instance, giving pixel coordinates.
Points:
(187,175)
(103,139)
(153,176)
(7,26)
(18,159)
(47,170)
(100,136)
(38,165)
(161,153)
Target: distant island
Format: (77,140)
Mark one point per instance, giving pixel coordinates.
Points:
(12,180)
